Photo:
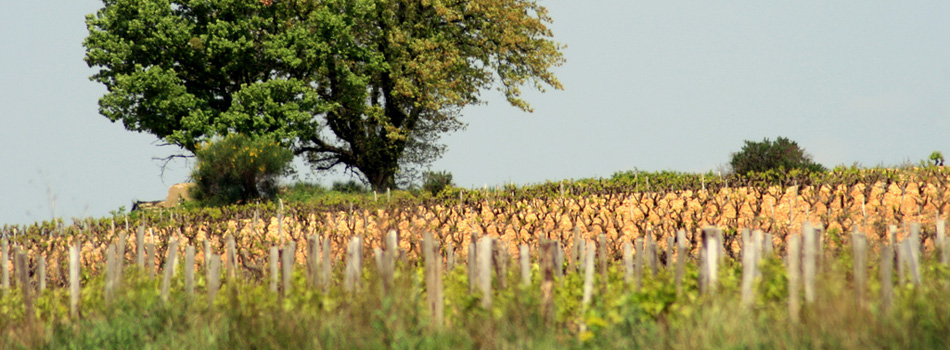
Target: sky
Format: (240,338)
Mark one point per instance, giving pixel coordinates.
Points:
(649,85)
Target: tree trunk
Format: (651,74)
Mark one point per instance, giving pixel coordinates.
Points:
(380,178)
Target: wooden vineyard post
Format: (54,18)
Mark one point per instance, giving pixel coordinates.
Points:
(41,273)
(809,261)
(669,253)
(110,273)
(26,286)
(207,253)
(558,260)
(638,267)
(887,277)
(767,245)
(14,281)
(651,253)
(500,259)
(449,255)
(472,266)
(169,269)
(274,268)
(748,267)
(213,277)
(859,254)
(73,281)
(758,239)
(190,271)
(140,247)
(150,259)
(354,264)
(913,247)
(484,262)
(576,254)
(313,260)
(942,243)
(588,277)
(386,260)
(627,262)
(546,260)
(326,264)
(681,257)
(602,259)
(287,264)
(794,276)
(120,261)
(5,265)
(433,266)
(525,264)
(230,257)
(711,247)
(580,245)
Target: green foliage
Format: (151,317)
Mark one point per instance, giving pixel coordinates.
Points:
(349,186)
(781,155)
(434,182)
(367,85)
(238,168)
(937,158)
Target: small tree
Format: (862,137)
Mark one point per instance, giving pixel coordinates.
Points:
(937,158)
(783,154)
(238,168)
(435,182)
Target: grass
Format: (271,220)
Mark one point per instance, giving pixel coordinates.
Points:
(246,315)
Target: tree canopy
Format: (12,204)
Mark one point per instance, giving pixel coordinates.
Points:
(783,154)
(369,85)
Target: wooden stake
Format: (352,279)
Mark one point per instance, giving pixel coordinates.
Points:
(681,256)
(26,286)
(546,261)
(287,263)
(433,266)
(169,269)
(190,271)
(523,261)
(859,255)
(140,247)
(748,267)
(809,261)
(110,273)
(5,265)
(627,262)
(41,274)
(214,278)
(484,262)
(74,288)
(354,264)
(274,268)
(794,276)
(887,277)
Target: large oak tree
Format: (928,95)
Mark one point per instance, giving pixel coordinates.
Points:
(369,85)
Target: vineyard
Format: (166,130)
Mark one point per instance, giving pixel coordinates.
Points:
(629,261)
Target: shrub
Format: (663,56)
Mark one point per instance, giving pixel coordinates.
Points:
(435,182)
(782,155)
(350,186)
(238,168)
(937,158)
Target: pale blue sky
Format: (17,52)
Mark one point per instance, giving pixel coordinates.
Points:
(659,85)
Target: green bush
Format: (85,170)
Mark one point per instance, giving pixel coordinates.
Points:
(937,158)
(238,168)
(350,186)
(781,155)
(434,182)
